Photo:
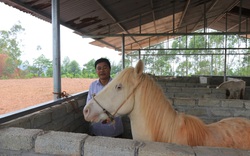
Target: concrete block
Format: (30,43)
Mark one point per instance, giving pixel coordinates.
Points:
(169,95)
(78,114)
(221,112)
(170,84)
(242,113)
(180,84)
(219,90)
(204,90)
(18,138)
(184,102)
(215,96)
(81,102)
(58,111)
(161,83)
(184,89)
(209,102)
(23,122)
(73,106)
(232,103)
(164,149)
(61,123)
(199,112)
(173,89)
(247,104)
(60,143)
(216,151)
(79,124)
(40,118)
(103,146)
(72,126)
(191,85)
(20,153)
(197,90)
(69,118)
(185,95)
(68,107)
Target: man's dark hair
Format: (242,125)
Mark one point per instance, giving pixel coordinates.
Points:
(102,60)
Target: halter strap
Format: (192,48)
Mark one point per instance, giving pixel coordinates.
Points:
(112,117)
(104,110)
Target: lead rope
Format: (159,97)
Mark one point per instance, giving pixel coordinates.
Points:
(73,102)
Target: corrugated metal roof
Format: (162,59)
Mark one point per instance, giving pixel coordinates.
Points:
(109,17)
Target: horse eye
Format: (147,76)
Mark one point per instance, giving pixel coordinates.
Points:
(118,86)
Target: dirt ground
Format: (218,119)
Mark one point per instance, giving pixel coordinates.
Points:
(21,93)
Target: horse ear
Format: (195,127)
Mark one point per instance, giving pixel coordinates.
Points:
(139,67)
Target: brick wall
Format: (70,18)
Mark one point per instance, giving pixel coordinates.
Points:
(212,110)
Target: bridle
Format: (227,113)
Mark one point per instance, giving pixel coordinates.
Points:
(112,116)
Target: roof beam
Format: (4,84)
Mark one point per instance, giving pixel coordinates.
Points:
(224,12)
(238,24)
(48,17)
(168,34)
(153,14)
(205,12)
(113,18)
(183,14)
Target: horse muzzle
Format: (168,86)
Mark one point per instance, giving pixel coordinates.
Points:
(92,114)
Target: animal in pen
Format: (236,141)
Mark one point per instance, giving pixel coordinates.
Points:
(153,118)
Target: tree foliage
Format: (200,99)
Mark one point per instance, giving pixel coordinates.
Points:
(9,46)
(192,55)
(182,56)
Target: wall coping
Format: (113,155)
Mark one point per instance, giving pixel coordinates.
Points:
(36,141)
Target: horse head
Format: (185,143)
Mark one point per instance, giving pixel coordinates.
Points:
(117,98)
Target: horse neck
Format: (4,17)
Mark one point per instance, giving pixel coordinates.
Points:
(154,111)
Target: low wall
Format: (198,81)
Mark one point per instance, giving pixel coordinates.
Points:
(190,92)
(212,110)
(195,79)
(65,116)
(19,141)
(186,89)
(50,131)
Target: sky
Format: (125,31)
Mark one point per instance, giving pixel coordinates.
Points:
(39,33)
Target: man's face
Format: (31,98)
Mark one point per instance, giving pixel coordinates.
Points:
(103,70)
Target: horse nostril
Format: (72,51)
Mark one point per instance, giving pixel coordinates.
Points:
(86,112)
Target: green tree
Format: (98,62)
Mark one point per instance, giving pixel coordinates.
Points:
(49,72)
(115,68)
(74,69)
(88,70)
(9,45)
(40,66)
(65,65)
(10,67)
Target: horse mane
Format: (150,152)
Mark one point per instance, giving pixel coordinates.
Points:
(164,121)
(196,130)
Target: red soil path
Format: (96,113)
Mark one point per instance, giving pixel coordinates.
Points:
(21,93)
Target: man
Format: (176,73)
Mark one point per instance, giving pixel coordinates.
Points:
(115,129)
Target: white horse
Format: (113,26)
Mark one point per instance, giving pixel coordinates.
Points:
(235,88)
(153,118)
